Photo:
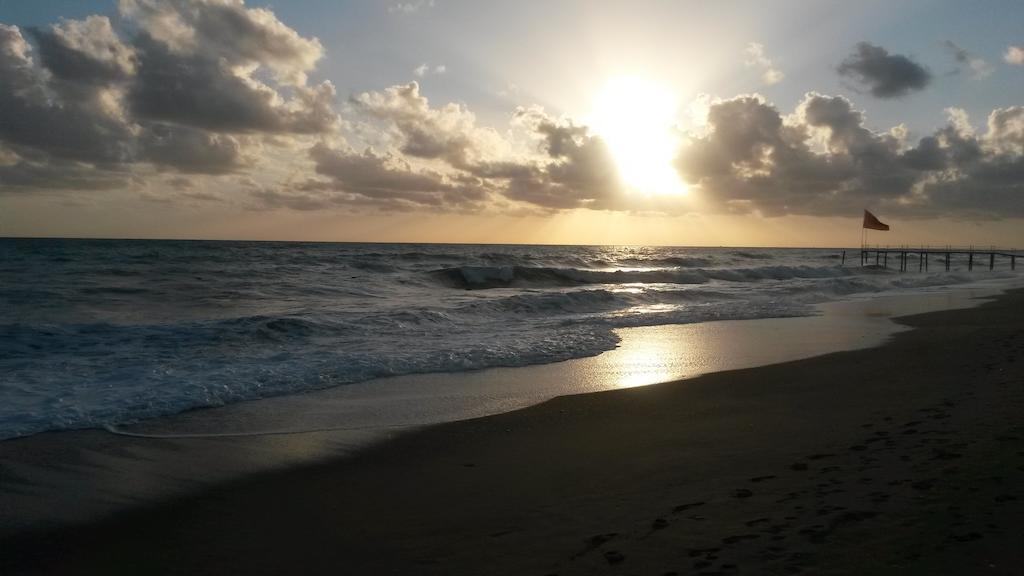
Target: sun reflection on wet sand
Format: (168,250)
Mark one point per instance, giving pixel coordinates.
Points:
(643,366)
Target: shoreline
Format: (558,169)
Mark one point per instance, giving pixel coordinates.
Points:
(61,478)
(645,355)
(789,475)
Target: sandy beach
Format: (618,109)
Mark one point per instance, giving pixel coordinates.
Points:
(902,459)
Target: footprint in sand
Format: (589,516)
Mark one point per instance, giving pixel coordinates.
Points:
(614,557)
(694,552)
(684,507)
(595,542)
(739,538)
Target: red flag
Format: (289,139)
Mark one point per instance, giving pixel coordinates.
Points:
(872,223)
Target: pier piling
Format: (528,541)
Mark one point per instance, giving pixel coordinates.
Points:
(923,254)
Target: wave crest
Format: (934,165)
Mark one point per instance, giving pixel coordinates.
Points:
(485,277)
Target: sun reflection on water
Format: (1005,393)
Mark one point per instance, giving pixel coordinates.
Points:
(640,367)
(649,356)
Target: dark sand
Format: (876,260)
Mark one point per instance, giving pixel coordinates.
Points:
(903,459)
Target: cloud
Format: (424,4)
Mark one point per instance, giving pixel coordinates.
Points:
(756,58)
(226,29)
(448,133)
(574,168)
(409,7)
(86,51)
(199,63)
(190,150)
(65,120)
(822,160)
(884,75)
(389,181)
(191,90)
(194,86)
(978,67)
(424,70)
(1014,55)
(204,90)
(26,176)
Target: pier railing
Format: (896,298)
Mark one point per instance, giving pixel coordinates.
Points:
(904,253)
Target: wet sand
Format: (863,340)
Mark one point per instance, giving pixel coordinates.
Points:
(906,458)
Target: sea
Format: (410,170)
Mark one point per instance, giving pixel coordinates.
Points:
(102,333)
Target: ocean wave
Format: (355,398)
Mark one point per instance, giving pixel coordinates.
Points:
(485,277)
(589,301)
(105,332)
(752,255)
(668,262)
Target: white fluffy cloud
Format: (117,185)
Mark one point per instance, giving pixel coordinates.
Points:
(424,70)
(1014,55)
(410,7)
(756,58)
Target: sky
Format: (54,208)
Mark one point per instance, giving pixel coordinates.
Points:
(563,122)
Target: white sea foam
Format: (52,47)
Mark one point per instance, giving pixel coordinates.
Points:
(99,333)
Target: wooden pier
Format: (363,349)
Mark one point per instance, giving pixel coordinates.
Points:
(903,255)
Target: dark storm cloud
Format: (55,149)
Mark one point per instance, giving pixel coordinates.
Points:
(823,161)
(883,74)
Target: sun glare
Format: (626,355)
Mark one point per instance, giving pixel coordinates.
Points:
(634,116)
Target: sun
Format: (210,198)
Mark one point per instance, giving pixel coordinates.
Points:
(635,117)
